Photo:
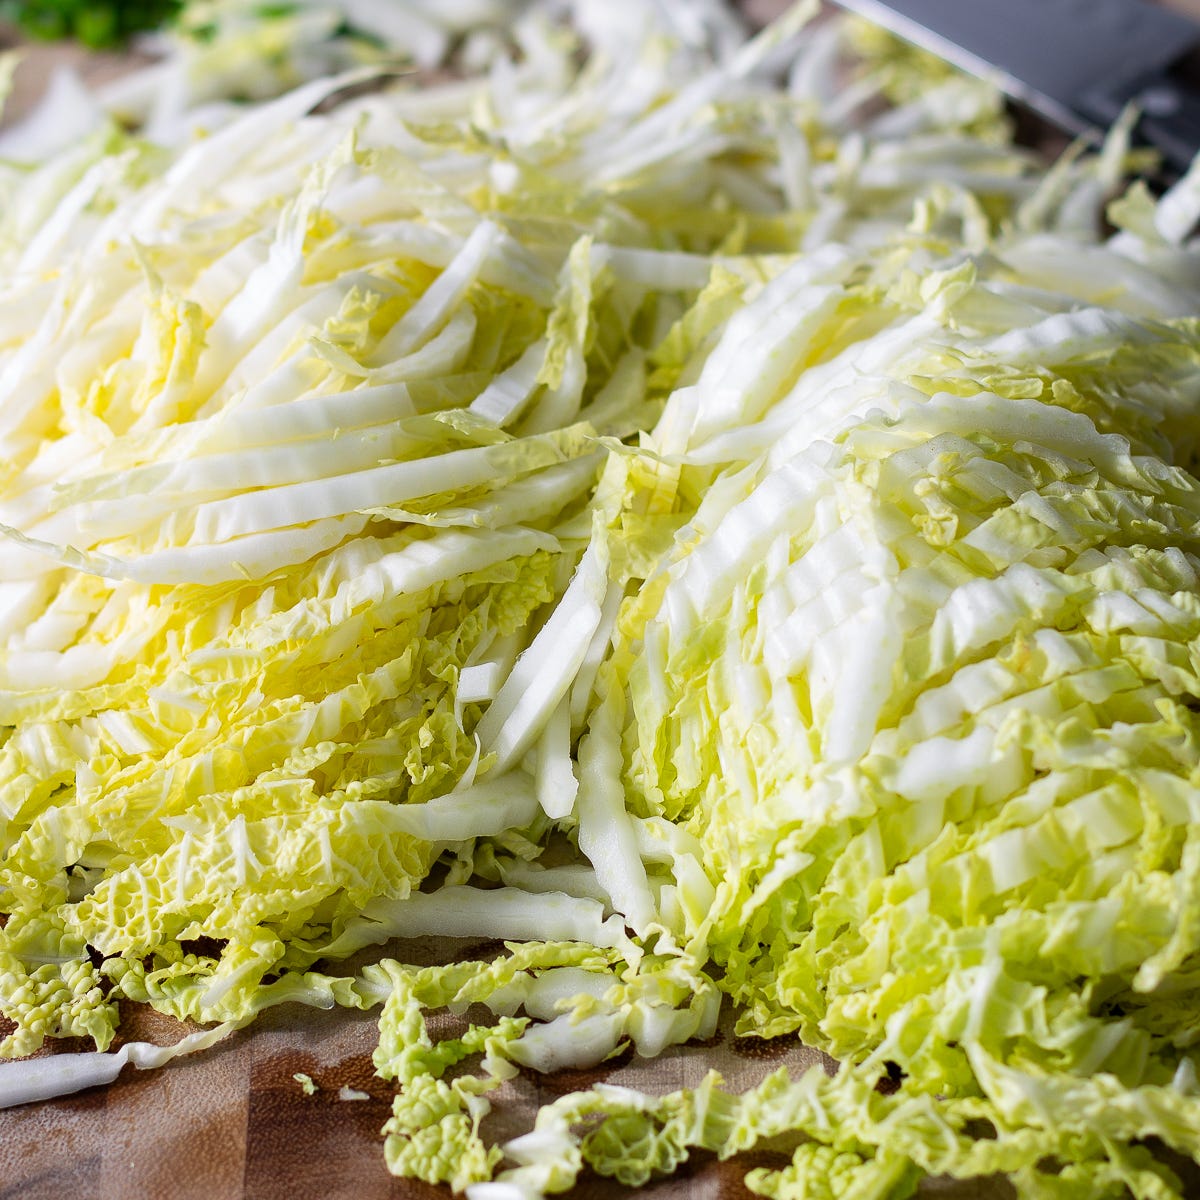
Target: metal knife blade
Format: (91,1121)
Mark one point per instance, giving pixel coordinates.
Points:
(1077,62)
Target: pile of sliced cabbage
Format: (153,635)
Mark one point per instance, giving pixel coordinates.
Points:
(707,511)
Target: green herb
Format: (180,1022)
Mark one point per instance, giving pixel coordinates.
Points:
(95,25)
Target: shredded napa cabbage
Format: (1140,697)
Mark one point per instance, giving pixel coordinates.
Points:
(708,512)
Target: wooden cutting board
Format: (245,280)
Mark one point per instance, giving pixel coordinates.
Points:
(232,1123)
(39,61)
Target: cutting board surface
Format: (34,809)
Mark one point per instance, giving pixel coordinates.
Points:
(233,1121)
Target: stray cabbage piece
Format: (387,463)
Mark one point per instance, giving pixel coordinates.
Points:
(724,538)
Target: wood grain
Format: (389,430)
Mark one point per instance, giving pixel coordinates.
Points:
(233,1122)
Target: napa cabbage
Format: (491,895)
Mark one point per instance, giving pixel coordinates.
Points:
(916,684)
(716,518)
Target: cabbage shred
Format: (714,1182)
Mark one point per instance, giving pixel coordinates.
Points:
(719,518)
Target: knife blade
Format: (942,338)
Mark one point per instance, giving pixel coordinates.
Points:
(1076,62)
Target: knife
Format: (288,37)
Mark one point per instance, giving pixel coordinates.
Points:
(1076,62)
